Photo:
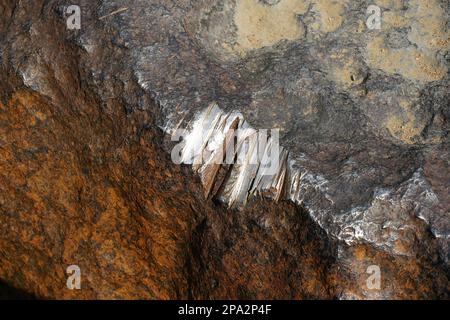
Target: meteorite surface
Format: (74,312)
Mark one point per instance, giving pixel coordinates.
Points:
(86,116)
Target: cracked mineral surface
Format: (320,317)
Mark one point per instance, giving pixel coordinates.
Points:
(87,178)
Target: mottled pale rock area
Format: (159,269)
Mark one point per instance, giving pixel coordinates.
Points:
(86,176)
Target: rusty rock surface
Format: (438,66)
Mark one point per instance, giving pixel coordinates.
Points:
(86,179)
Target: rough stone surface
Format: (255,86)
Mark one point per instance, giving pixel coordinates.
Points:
(86,177)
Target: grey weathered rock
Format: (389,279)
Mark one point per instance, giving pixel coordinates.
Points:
(364,115)
(358,109)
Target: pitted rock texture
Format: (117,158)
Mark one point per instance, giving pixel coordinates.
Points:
(86,179)
(358,109)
